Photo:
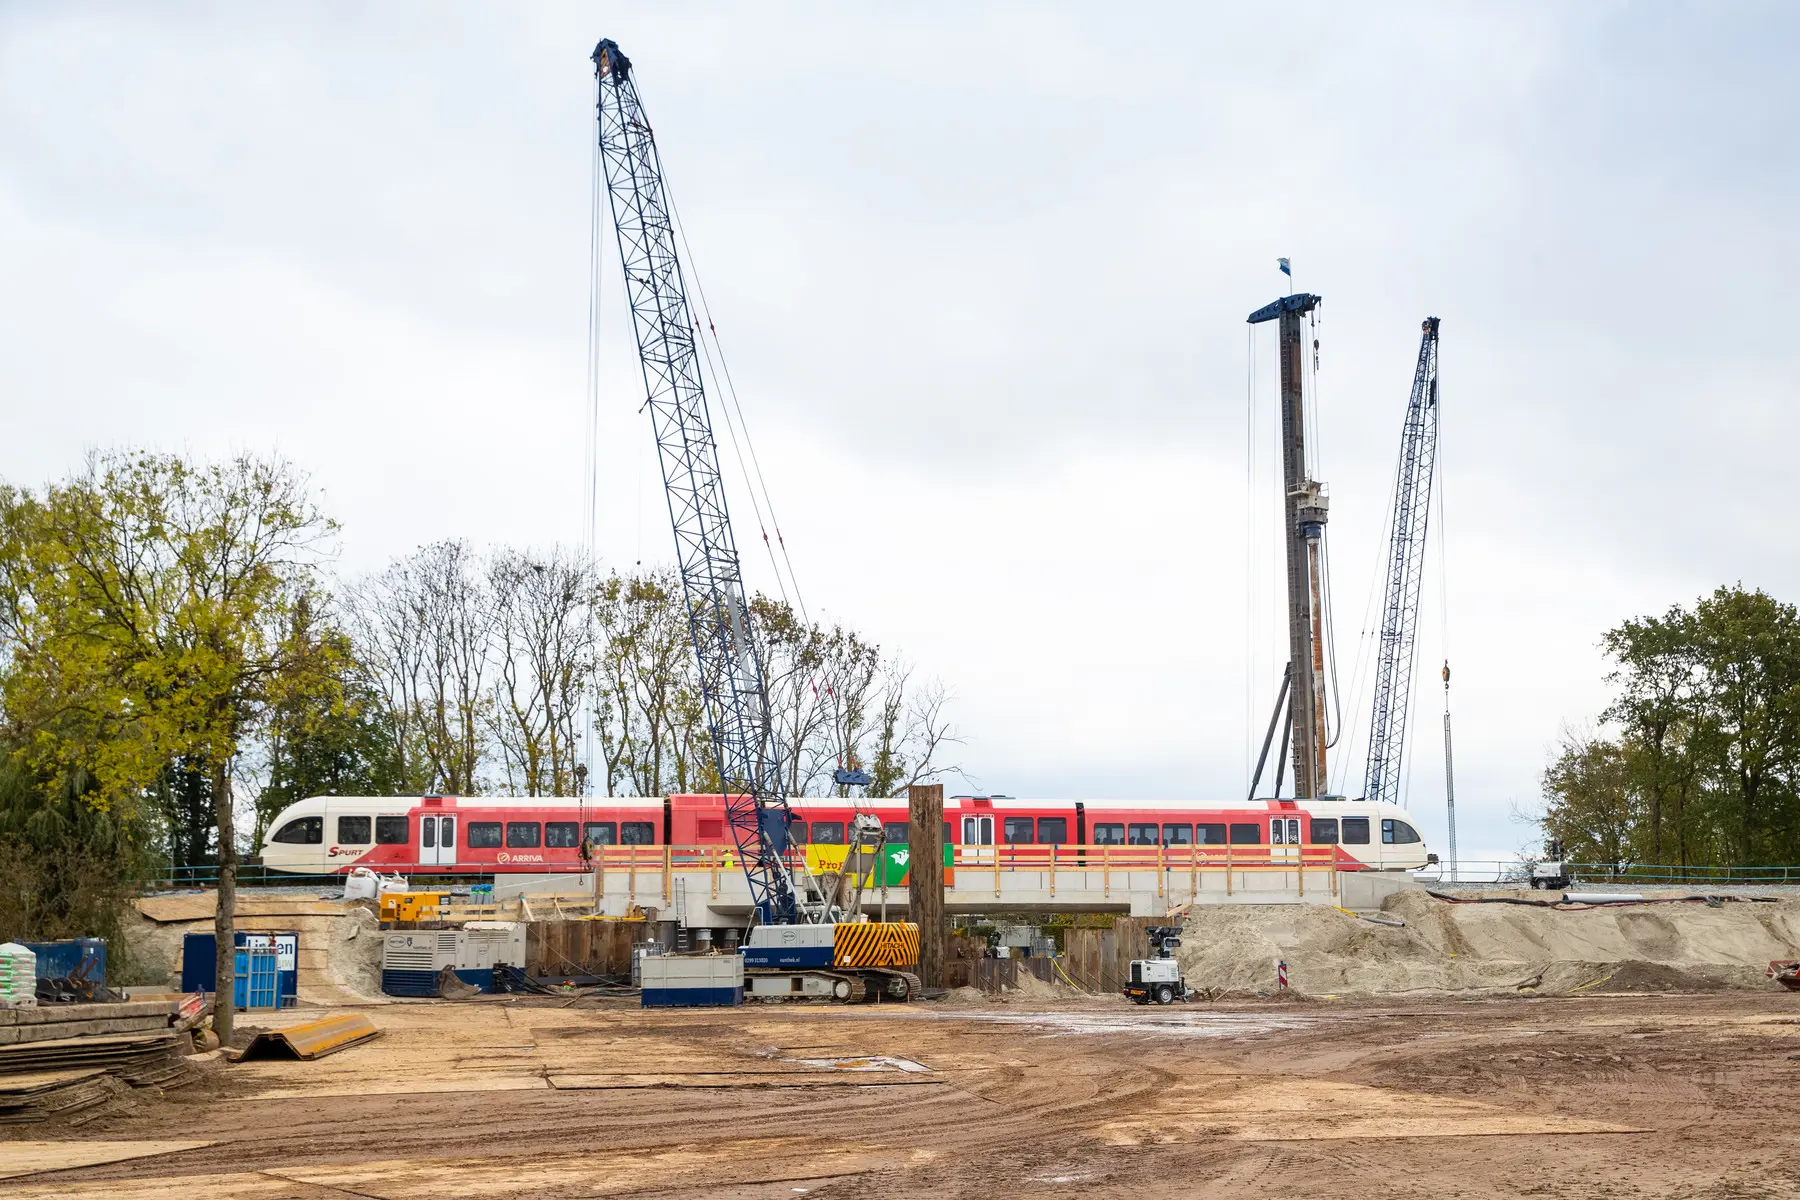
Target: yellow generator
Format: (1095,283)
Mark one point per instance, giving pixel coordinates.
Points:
(414,906)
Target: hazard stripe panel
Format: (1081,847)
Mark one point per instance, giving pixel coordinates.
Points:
(875,944)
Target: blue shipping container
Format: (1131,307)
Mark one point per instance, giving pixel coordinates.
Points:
(83,958)
(198,961)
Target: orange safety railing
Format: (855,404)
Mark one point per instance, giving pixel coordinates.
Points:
(1193,861)
(971,863)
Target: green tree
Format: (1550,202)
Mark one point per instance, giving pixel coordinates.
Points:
(66,867)
(1708,747)
(181,798)
(1592,807)
(330,733)
(148,604)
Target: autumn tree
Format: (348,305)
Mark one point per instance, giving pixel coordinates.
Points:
(546,638)
(424,630)
(147,604)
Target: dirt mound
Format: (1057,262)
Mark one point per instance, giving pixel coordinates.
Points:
(354,955)
(340,944)
(1444,947)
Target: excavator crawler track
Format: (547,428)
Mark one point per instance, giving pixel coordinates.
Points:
(888,980)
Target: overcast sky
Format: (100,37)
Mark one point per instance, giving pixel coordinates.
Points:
(982,273)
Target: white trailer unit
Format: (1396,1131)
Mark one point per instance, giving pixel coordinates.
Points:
(413,959)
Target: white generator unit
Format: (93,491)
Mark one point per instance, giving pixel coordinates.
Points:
(692,980)
(412,959)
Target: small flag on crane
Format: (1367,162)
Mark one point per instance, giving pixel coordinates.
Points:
(1285,269)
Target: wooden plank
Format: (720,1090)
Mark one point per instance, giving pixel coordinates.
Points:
(28,1158)
(51,1014)
(15,1034)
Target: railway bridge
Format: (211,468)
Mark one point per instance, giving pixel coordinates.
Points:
(702,887)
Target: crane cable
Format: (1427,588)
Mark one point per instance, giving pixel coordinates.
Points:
(1250,640)
(591,465)
(755,482)
(1310,365)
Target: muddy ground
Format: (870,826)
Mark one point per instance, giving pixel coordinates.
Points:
(1600,1095)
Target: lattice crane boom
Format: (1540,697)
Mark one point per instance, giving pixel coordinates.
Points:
(1405,570)
(734,692)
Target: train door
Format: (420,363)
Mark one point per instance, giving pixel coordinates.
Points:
(1284,839)
(437,840)
(977,839)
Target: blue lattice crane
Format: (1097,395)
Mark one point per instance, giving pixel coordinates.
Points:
(731,683)
(801,927)
(1405,569)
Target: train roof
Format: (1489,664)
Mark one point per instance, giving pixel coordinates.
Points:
(502,801)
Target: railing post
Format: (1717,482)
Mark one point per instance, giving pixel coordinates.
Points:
(1106,871)
(996,872)
(1161,867)
(1053,870)
(1228,860)
(712,857)
(1193,872)
(667,865)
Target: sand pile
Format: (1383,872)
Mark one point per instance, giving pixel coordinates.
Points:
(353,959)
(1030,987)
(1446,948)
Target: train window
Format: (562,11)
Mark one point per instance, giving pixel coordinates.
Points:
(1109,834)
(1053,831)
(561,835)
(1324,831)
(1208,834)
(354,831)
(796,833)
(603,833)
(1398,833)
(302,831)
(1356,831)
(391,831)
(827,833)
(637,833)
(1246,835)
(523,834)
(896,832)
(948,840)
(484,835)
(1178,835)
(1016,830)
(1143,835)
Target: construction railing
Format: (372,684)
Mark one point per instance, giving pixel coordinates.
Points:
(1086,868)
(649,872)
(1517,873)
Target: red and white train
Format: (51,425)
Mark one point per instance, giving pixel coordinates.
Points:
(501,834)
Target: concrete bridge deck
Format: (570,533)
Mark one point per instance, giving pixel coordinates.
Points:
(703,886)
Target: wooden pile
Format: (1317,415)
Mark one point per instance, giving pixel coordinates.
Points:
(65,1058)
(1100,959)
